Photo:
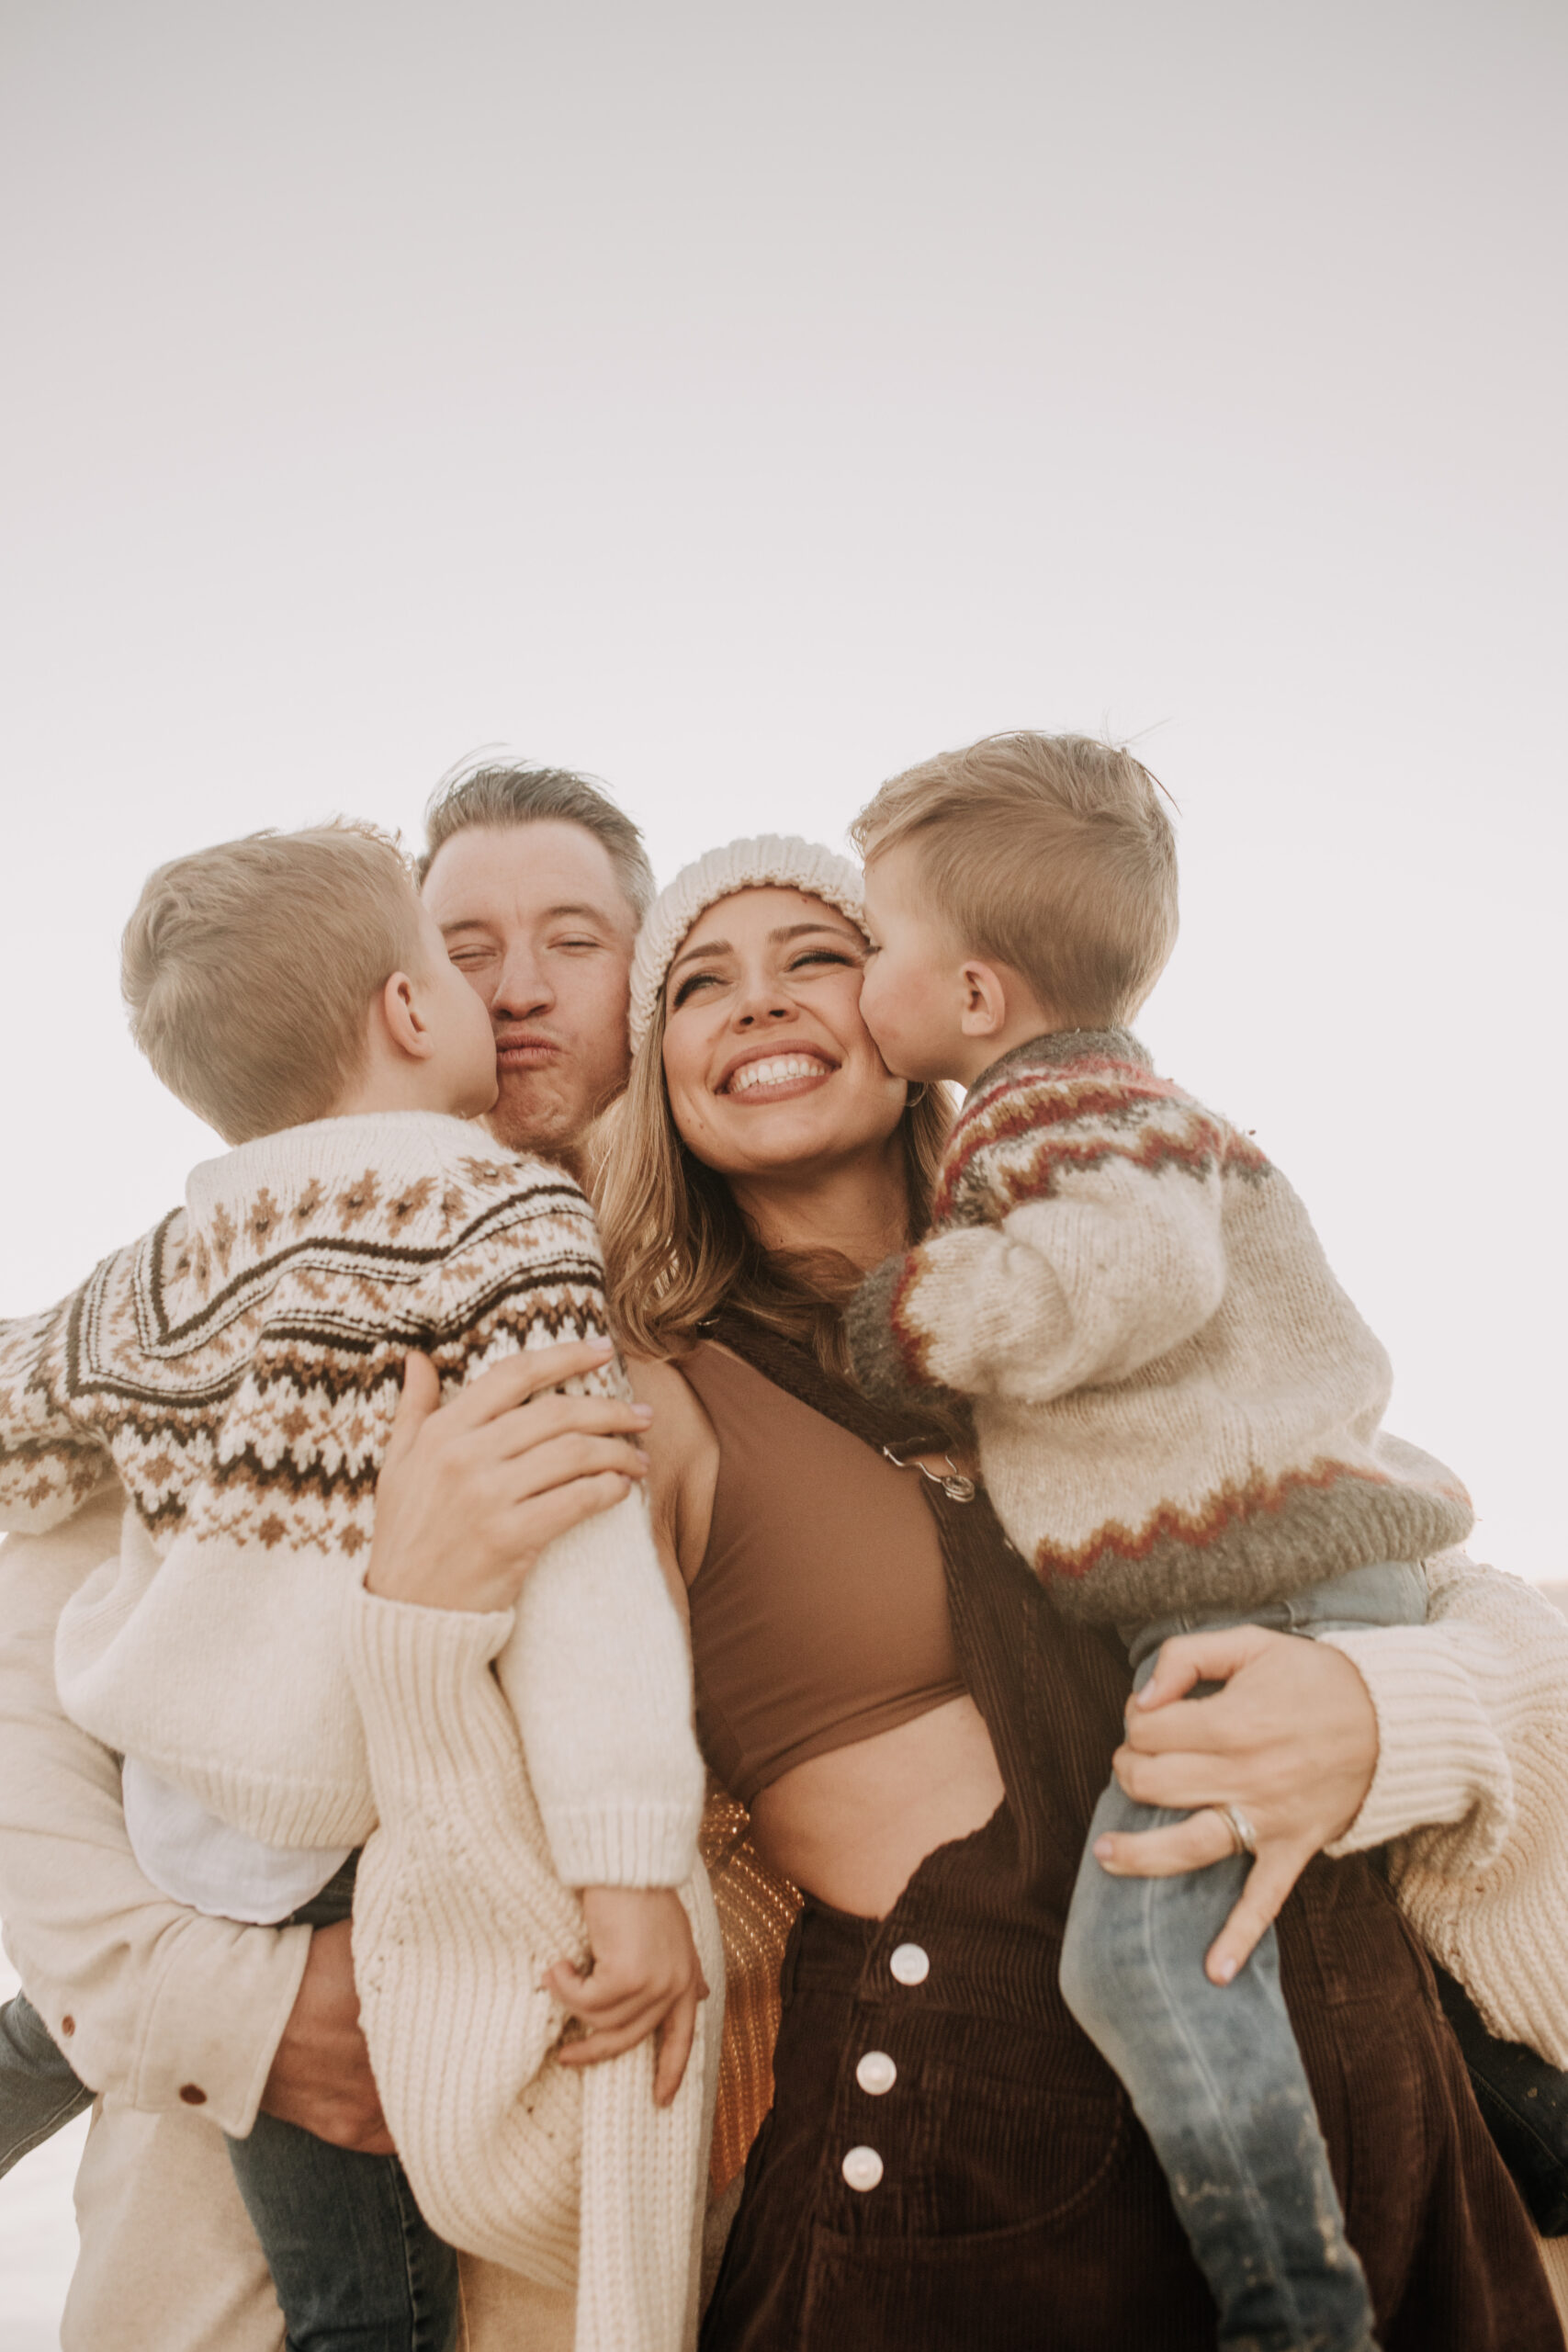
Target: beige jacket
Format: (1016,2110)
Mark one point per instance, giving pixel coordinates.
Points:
(1472,1711)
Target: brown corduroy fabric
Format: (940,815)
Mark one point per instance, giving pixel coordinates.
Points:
(1019,2204)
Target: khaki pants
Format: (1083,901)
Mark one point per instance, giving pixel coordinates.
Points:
(169,2262)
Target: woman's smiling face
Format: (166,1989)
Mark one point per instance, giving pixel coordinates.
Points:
(767,1060)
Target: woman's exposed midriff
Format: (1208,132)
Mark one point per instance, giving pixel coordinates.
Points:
(852,1827)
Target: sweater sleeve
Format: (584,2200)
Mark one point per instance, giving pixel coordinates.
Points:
(599,1676)
(165,2006)
(559,2173)
(1116,1268)
(597,1669)
(49,1465)
(1468,1793)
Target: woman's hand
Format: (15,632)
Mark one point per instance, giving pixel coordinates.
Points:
(471,1493)
(1291,1742)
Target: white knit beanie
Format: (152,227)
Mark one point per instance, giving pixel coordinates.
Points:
(780,860)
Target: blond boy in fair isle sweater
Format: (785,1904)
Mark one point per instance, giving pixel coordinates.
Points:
(1179,1414)
(237,1371)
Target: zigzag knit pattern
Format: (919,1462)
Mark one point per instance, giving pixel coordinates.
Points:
(1177,1407)
(240,1364)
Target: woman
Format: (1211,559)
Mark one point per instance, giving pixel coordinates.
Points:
(922,1743)
(918,1741)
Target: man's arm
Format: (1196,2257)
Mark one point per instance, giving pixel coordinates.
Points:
(154,2005)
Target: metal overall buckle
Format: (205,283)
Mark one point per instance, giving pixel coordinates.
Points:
(955,1485)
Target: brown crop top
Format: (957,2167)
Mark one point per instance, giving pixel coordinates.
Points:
(820,1611)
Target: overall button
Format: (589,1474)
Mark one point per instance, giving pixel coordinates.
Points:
(876,2073)
(862,2168)
(909,1964)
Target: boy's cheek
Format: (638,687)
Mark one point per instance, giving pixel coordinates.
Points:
(870,1001)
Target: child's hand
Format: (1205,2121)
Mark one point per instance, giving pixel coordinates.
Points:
(644,1975)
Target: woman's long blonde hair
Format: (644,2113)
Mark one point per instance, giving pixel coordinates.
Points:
(677,1247)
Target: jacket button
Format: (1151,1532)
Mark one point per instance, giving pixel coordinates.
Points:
(862,2168)
(909,1964)
(67,2026)
(193,2095)
(876,2073)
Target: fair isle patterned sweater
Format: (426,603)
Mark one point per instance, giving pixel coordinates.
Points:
(238,1369)
(1177,1407)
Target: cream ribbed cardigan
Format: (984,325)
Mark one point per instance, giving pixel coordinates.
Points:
(563,2175)
(1472,1729)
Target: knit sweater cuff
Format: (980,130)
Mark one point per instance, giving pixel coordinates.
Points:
(414,1670)
(627,1845)
(1437,1753)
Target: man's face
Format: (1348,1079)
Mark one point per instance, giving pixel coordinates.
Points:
(537,922)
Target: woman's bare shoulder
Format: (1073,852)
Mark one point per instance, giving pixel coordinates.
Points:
(682,1446)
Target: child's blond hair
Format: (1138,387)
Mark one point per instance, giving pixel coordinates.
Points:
(1048,852)
(248,970)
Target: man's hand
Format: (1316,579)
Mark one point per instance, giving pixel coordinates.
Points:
(470,1494)
(1292,1741)
(321,2077)
(645,1974)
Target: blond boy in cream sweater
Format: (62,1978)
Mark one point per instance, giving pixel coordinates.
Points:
(237,1371)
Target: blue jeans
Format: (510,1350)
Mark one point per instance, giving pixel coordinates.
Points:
(40,2090)
(1213,2072)
(357,2266)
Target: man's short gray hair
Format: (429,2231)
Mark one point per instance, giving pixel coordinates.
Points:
(488,789)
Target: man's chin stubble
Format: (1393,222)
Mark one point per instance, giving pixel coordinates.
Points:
(535,1112)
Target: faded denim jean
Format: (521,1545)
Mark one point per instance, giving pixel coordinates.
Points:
(1213,2071)
(40,2090)
(357,2266)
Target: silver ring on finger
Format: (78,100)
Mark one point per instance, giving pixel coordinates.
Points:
(1244,1838)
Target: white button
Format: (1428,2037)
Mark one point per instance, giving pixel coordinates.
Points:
(909,1964)
(876,2073)
(862,2168)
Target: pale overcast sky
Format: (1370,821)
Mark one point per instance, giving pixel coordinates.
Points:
(740,404)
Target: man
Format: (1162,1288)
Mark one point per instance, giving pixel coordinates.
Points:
(538,882)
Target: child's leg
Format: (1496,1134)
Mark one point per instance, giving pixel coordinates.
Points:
(40,2091)
(357,2266)
(1217,2082)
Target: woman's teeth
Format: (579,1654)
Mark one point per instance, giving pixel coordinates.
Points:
(778,1071)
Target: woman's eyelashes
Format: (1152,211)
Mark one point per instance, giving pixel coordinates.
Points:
(841,957)
(689,987)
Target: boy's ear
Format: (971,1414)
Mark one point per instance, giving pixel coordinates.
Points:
(398,1006)
(984,1013)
